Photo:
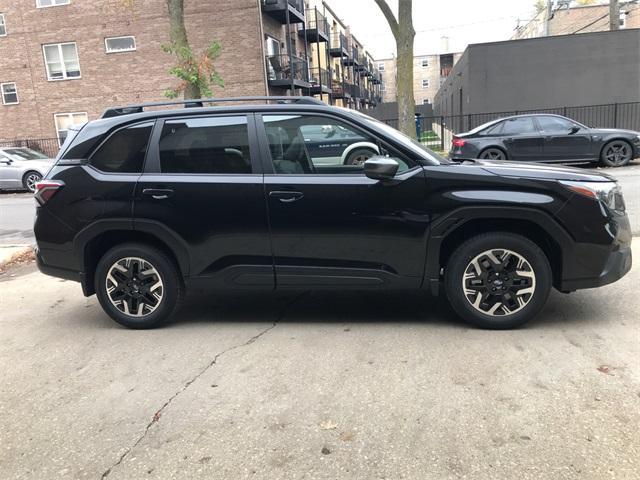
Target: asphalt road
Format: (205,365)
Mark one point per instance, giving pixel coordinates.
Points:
(317,386)
(17,209)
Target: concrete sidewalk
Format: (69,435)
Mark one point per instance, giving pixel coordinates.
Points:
(317,386)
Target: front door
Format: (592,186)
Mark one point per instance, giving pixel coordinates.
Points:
(562,141)
(10,172)
(203,187)
(331,226)
(523,141)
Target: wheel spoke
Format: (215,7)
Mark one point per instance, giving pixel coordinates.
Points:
(134,287)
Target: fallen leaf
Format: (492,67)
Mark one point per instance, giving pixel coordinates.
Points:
(606,369)
(328,425)
(347,436)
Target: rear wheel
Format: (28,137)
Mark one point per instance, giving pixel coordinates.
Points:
(498,280)
(359,156)
(30,179)
(616,153)
(138,285)
(493,154)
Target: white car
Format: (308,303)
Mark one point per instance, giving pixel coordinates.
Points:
(21,168)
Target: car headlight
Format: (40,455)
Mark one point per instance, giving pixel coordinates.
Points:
(609,194)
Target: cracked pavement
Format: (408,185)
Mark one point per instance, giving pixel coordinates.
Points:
(317,386)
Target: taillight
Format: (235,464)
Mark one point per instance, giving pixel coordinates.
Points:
(458,142)
(47,189)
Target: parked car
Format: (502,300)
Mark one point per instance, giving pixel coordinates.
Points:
(547,138)
(143,204)
(21,168)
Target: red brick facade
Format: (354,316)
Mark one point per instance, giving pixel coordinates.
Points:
(118,78)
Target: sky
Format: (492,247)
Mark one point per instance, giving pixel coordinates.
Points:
(463,21)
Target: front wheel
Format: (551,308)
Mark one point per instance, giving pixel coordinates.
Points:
(138,285)
(30,179)
(359,156)
(493,154)
(616,154)
(498,280)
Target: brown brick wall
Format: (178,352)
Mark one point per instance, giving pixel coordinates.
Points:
(119,78)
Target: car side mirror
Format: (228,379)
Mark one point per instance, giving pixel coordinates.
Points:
(381,168)
(574,129)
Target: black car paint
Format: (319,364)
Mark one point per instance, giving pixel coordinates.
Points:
(234,231)
(582,146)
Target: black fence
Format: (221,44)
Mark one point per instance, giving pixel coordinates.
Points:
(46,146)
(437,131)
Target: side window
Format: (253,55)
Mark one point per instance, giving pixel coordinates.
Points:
(494,129)
(518,126)
(124,150)
(213,145)
(554,124)
(307,144)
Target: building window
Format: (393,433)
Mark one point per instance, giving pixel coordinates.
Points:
(381,67)
(120,44)
(424,62)
(425,83)
(51,3)
(425,101)
(3,26)
(65,120)
(623,20)
(9,93)
(61,60)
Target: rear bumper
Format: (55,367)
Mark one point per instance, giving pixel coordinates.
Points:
(58,272)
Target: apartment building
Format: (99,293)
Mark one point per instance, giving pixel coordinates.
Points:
(429,72)
(65,61)
(563,17)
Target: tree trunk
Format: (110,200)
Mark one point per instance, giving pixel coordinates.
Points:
(179,40)
(404,34)
(614,15)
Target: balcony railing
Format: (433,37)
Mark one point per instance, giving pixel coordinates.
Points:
(278,9)
(339,45)
(317,22)
(340,89)
(284,69)
(318,78)
(445,71)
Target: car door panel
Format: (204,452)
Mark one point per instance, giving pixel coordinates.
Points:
(10,172)
(561,144)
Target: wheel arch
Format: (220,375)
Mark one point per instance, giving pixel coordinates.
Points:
(355,146)
(465,223)
(93,242)
(615,138)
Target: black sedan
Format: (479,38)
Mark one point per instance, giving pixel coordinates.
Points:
(547,138)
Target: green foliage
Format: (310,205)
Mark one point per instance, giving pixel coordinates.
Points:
(197,74)
(540,5)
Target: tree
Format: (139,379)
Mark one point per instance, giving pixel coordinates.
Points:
(404,34)
(196,72)
(540,5)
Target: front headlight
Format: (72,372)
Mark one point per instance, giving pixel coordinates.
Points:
(609,194)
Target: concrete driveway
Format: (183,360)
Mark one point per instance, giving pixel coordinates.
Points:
(317,386)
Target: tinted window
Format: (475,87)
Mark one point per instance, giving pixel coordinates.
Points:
(555,124)
(516,126)
(124,151)
(205,145)
(302,144)
(494,130)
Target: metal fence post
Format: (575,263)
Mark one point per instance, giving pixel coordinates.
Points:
(469,127)
(442,133)
(615,115)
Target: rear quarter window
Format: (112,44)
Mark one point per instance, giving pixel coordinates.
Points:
(124,150)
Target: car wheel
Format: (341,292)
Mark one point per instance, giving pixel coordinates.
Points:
(616,153)
(498,280)
(359,156)
(138,285)
(30,179)
(493,154)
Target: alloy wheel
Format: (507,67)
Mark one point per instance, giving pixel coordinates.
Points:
(618,153)
(134,286)
(31,181)
(493,154)
(499,282)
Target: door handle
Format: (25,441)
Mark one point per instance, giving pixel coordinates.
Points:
(158,193)
(286,196)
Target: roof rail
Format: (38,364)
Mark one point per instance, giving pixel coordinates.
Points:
(199,102)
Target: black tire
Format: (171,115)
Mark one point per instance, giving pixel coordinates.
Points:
(488,154)
(168,273)
(540,282)
(610,158)
(30,179)
(358,156)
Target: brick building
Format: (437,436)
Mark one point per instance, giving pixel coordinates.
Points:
(65,61)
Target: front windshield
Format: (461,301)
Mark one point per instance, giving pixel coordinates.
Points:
(25,154)
(400,137)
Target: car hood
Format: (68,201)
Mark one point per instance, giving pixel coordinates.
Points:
(607,131)
(538,171)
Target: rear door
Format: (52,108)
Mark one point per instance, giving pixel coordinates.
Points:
(522,139)
(560,143)
(203,187)
(332,226)
(10,172)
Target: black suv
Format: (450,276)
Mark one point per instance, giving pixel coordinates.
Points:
(143,204)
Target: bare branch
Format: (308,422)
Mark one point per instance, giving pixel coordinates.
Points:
(391,18)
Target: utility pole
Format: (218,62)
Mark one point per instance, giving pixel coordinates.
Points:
(614,15)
